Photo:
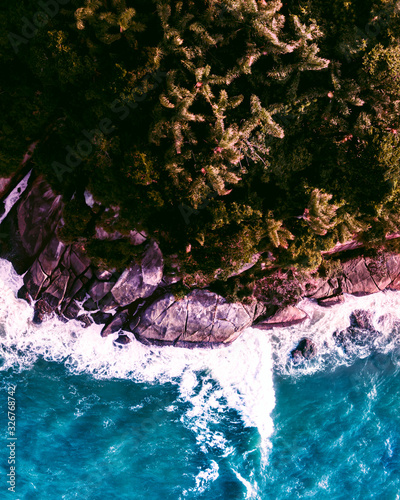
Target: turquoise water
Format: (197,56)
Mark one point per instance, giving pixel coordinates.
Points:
(95,421)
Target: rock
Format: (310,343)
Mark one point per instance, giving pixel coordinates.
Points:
(85,319)
(137,238)
(324,289)
(101,318)
(72,310)
(379,271)
(55,293)
(361,319)
(104,275)
(41,310)
(357,279)
(140,280)
(123,340)
(90,305)
(331,301)
(283,318)
(117,323)
(99,289)
(51,255)
(78,261)
(35,279)
(202,318)
(304,351)
(24,294)
(38,215)
(361,331)
(108,303)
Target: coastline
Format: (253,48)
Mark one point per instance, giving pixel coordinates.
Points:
(140,302)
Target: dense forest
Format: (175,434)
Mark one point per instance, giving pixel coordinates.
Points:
(224,129)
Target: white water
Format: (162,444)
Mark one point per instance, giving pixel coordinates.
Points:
(210,382)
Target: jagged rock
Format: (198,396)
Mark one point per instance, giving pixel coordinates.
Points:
(72,310)
(325,288)
(78,261)
(100,318)
(90,305)
(86,276)
(104,275)
(108,303)
(202,318)
(361,319)
(288,316)
(38,215)
(331,301)
(304,351)
(140,280)
(35,279)
(51,255)
(117,322)
(41,310)
(85,319)
(99,289)
(55,293)
(24,294)
(123,340)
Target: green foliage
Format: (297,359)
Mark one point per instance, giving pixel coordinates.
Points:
(273,127)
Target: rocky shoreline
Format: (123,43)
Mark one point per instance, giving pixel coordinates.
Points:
(140,301)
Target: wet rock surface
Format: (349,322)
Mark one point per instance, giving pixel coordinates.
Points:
(305,350)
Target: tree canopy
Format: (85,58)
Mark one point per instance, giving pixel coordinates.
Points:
(224,129)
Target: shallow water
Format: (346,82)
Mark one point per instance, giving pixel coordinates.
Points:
(97,421)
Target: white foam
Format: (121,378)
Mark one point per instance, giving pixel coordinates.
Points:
(210,383)
(324,322)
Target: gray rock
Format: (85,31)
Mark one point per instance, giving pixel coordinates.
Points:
(78,261)
(51,255)
(100,318)
(288,316)
(123,340)
(361,319)
(100,289)
(90,305)
(140,280)
(38,215)
(117,322)
(331,301)
(72,310)
(85,320)
(55,293)
(304,351)
(35,279)
(357,279)
(202,318)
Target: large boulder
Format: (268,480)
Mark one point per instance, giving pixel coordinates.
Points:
(140,280)
(285,317)
(201,319)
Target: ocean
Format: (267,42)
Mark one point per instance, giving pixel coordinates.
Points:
(81,418)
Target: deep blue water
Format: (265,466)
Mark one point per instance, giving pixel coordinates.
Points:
(94,421)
